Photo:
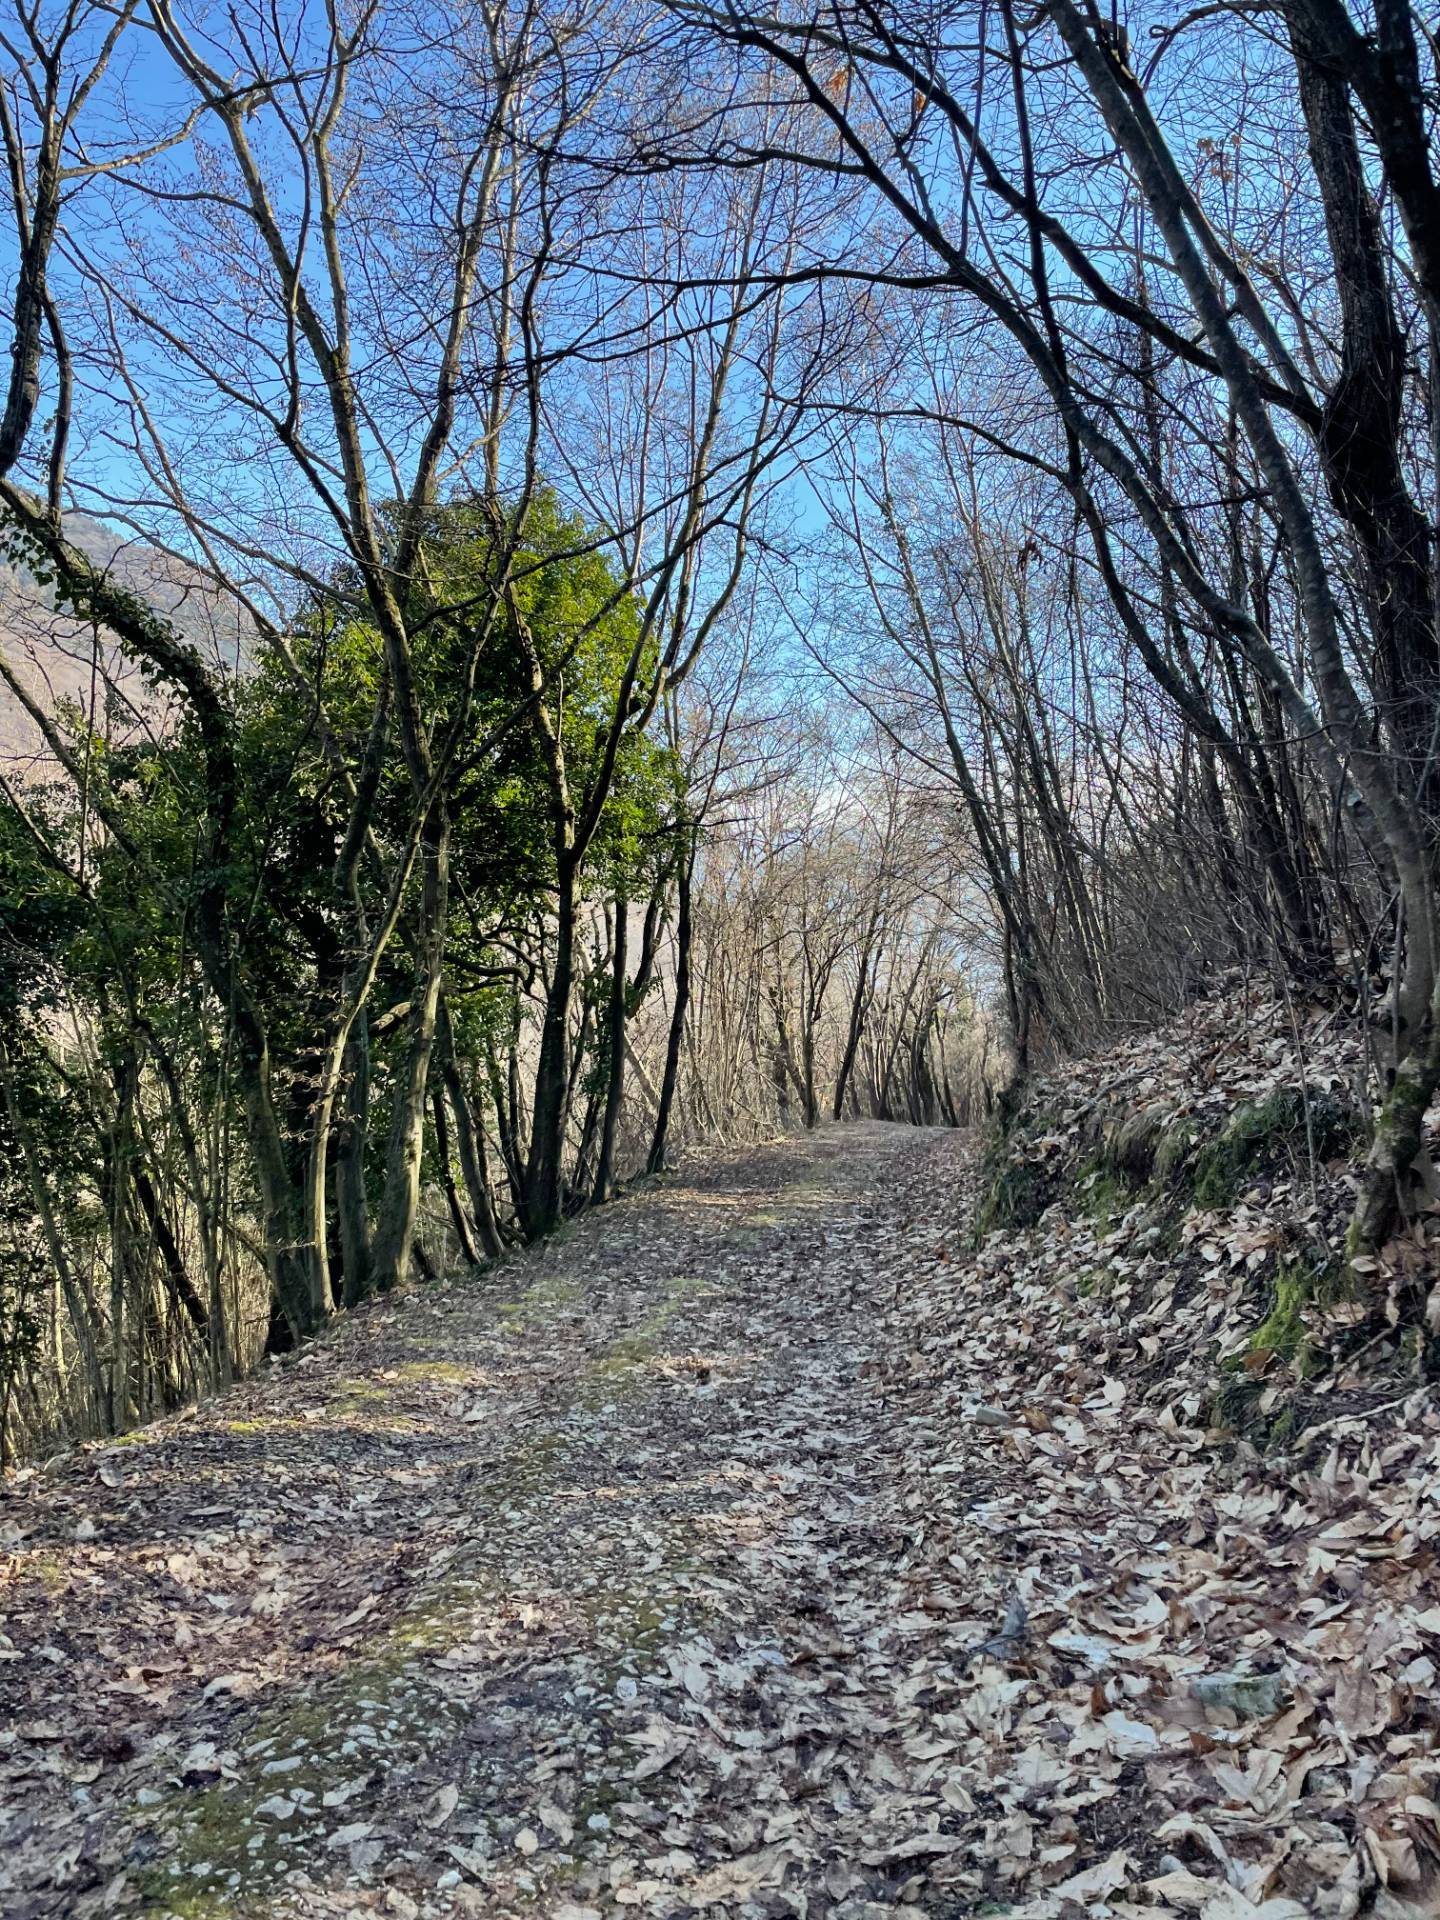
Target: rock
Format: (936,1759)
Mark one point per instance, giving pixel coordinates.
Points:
(346,1836)
(1254,1696)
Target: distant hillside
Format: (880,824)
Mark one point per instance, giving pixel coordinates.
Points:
(61,660)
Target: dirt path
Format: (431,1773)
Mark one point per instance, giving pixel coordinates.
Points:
(582,1587)
(761,1548)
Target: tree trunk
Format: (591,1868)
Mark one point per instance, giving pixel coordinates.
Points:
(859,1003)
(684,936)
(400,1200)
(615,1043)
(469,1139)
(1360,435)
(1396,1170)
(177,1279)
(547,1129)
(83,1316)
(122,1410)
(464,1232)
(352,1205)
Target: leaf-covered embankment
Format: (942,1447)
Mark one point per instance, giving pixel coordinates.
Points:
(1209,1455)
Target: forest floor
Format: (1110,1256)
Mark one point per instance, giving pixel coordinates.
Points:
(654,1571)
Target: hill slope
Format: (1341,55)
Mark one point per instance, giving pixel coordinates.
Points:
(61,660)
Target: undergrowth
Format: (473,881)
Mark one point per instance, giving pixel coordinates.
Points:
(1153,1166)
(1260,1137)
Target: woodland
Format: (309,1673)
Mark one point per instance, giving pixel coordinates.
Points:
(720,960)
(592,578)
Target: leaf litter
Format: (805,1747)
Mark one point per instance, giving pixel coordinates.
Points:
(811,1555)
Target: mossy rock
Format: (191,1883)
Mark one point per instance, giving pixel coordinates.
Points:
(1131,1143)
(1173,1149)
(1017,1195)
(1260,1136)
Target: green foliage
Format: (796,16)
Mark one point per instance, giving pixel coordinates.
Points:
(126,916)
(40,914)
(24,1277)
(25,1272)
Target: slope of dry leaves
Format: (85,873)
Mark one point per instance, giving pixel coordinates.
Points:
(762,1548)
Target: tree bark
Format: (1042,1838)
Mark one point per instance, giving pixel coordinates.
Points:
(400,1199)
(352,1205)
(543,1169)
(469,1139)
(684,939)
(460,1219)
(615,1045)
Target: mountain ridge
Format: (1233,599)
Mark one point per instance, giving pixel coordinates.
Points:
(62,660)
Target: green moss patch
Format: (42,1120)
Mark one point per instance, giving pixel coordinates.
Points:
(634,1349)
(1105,1193)
(1017,1195)
(1286,1331)
(443,1372)
(1263,1136)
(1284,1346)
(363,1392)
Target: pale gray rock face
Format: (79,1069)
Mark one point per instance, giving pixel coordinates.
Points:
(63,662)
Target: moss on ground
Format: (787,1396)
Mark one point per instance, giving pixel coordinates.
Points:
(214,1869)
(45,1569)
(224,1852)
(1299,1286)
(534,1308)
(164,1902)
(1260,1136)
(1017,1195)
(441,1372)
(633,1350)
(1283,1330)
(1150,1167)
(1172,1150)
(1105,1192)
(1284,1338)
(1095,1283)
(221,1855)
(360,1392)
